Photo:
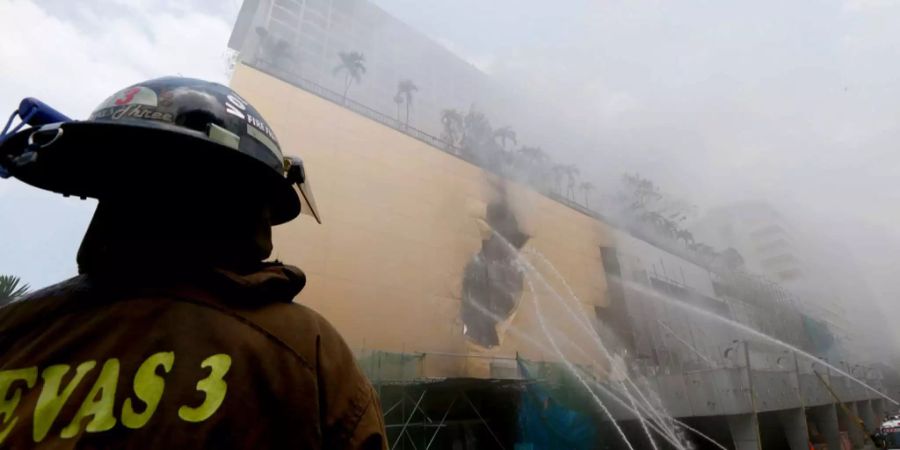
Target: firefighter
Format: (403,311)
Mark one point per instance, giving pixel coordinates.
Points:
(175,333)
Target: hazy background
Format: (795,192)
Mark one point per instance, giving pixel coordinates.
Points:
(796,103)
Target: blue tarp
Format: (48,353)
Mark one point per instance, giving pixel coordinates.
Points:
(546,424)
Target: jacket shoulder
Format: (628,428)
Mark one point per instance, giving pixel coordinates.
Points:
(296,327)
(62,289)
(44,302)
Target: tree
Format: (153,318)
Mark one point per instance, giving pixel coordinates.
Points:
(669,227)
(731,259)
(11,287)
(704,251)
(559,172)
(687,237)
(477,136)
(638,193)
(476,128)
(571,172)
(643,201)
(534,162)
(452,120)
(353,63)
(586,187)
(504,134)
(405,89)
(533,155)
(272,51)
(398,99)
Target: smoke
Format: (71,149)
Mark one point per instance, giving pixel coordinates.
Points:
(791,103)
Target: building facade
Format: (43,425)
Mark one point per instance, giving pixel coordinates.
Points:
(485,311)
(450,320)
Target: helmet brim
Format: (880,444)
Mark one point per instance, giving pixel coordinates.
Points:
(98,159)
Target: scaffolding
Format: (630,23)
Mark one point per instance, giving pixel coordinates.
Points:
(459,411)
(430,402)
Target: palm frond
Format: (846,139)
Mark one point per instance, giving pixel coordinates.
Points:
(11,287)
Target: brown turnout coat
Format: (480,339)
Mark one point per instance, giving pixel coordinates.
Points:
(214,360)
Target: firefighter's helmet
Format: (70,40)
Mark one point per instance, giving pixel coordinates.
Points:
(153,133)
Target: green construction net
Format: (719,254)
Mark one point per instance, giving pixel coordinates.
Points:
(387,367)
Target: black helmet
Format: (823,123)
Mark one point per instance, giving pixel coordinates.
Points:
(146,133)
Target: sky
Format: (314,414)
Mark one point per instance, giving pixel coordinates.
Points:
(73,55)
(792,102)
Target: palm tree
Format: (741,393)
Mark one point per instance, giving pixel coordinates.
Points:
(571,173)
(398,99)
(354,64)
(505,134)
(534,162)
(10,288)
(452,120)
(686,236)
(271,52)
(477,135)
(639,193)
(586,187)
(558,171)
(669,228)
(405,88)
(533,155)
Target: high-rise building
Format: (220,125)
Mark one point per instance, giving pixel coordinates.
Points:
(760,234)
(301,39)
(770,245)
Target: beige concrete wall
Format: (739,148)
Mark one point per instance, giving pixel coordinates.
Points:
(401,221)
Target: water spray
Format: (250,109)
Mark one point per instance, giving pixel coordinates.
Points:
(688,307)
(569,365)
(659,416)
(661,430)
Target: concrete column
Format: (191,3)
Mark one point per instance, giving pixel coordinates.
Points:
(745,431)
(867,414)
(826,420)
(847,422)
(794,423)
(878,409)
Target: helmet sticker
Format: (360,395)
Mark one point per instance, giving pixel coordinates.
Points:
(139,95)
(136,102)
(134,111)
(237,107)
(257,134)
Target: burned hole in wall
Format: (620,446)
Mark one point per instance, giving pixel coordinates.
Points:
(492,281)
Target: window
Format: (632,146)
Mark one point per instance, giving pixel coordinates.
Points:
(291,7)
(317,21)
(280,30)
(610,261)
(669,288)
(317,6)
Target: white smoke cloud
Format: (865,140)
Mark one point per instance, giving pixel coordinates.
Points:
(789,102)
